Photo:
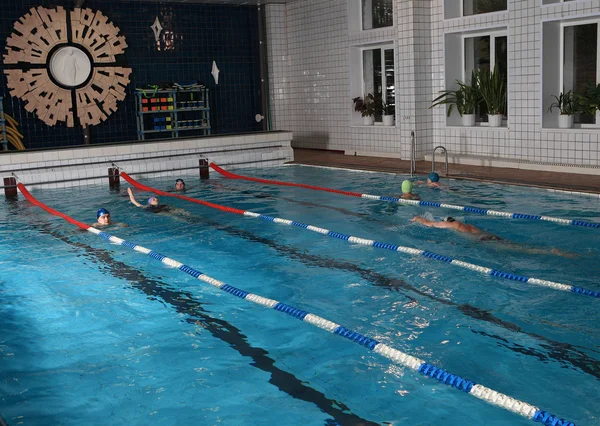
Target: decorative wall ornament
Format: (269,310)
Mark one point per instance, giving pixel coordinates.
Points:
(156,28)
(215,72)
(64,65)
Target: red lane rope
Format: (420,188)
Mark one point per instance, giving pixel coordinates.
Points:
(183,197)
(50,210)
(276,182)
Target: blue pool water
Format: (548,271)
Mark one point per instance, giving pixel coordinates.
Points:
(94,333)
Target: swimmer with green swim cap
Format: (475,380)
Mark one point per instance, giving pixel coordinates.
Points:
(407,194)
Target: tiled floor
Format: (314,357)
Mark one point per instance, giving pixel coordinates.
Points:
(563,181)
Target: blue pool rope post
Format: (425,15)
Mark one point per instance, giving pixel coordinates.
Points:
(491,396)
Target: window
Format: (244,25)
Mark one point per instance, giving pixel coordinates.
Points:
(459,8)
(475,7)
(378,74)
(484,52)
(377,14)
(580,62)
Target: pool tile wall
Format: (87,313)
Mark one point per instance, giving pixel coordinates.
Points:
(201,33)
(310,44)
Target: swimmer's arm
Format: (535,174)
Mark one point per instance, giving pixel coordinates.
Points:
(132,198)
(429,223)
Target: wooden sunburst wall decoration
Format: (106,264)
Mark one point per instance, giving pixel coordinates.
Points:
(63,64)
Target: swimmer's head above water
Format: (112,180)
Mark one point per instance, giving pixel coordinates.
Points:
(153,201)
(103,216)
(433,177)
(179,185)
(449,219)
(407,187)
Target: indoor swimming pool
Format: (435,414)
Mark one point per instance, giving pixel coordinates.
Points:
(94,333)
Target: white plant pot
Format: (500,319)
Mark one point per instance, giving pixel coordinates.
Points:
(495,120)
(368,121)
(565,121)
(468,120)
(388,120)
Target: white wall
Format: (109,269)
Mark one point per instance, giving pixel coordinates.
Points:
(310,44)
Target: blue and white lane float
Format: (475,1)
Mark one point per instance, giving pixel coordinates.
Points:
(491,396)
(372,243)
(467,209)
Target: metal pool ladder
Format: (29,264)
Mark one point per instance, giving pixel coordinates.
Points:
(413,154)
(433,158)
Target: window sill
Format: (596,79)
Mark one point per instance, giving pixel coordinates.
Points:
(571,130)
(476,127)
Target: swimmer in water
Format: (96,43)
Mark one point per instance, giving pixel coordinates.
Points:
(451,223)
(179,185)
(407,194)
(104,219)
(433,180)
(153,205)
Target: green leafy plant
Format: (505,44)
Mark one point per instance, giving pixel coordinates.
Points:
(590,101)
(567,103)
(367,106)
(465,98)
(492,86)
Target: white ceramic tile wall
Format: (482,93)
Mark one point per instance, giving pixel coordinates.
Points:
(77,167)
(309,44)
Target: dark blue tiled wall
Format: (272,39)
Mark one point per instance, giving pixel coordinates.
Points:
(202,33)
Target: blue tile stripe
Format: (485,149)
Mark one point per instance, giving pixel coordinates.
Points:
(478,391)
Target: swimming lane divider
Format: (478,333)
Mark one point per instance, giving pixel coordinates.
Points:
(491,396)
(420,203)
(373,243)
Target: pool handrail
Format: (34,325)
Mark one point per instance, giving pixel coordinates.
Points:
(489,395)
(373,243)
(421,203)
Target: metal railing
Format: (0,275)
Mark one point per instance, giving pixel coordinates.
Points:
(413,154)
(433,158)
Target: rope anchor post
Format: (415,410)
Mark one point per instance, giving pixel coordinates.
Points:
(204,168)
(113,178)
(10,187)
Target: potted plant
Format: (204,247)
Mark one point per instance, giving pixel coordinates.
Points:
(568,105)
(590,102)
(465,98)
(367,108)
(388,112)
(493,92)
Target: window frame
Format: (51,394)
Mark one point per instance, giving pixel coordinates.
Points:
(381,47)
(563,25)
(462,10)
(493,34)
(362,22)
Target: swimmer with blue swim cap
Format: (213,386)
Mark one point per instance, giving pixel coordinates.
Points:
(407,194)
(103,217)
(433,180)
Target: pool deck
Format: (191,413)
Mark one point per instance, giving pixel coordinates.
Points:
(560,181)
